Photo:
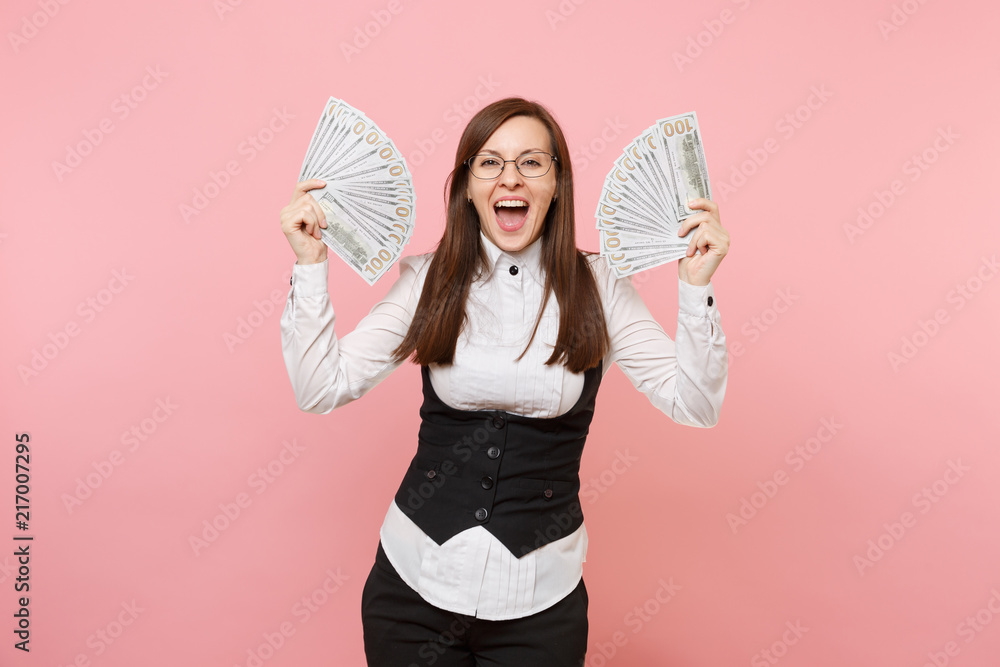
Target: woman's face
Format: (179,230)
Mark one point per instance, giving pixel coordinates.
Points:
(514,227)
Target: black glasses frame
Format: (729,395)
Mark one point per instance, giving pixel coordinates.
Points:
(468,163)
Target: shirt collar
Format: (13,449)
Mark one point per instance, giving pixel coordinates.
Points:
(528,259)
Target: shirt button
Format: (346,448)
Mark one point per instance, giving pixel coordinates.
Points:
(513,270)
(493,452)
(487,482)
(289,281)
(481,514)
(497,421)
(711,301)
(547,493)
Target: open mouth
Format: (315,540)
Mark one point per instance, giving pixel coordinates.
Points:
(511,214)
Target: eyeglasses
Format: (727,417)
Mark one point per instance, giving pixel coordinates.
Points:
(530,165)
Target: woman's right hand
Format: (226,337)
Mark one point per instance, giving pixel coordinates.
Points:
(301,221)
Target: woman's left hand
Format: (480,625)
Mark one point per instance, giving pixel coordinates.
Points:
(709,237)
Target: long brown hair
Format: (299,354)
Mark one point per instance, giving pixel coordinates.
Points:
(583,336)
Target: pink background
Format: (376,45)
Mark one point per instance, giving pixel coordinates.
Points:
(847,546)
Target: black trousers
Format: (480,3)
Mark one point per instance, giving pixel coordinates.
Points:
(403,630)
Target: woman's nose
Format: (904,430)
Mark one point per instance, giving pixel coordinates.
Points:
(510,176)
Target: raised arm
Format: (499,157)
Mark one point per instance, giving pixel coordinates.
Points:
(301,221)
(685,378)
(326,372)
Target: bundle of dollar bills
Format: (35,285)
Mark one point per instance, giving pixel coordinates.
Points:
(645,195)
(369,198)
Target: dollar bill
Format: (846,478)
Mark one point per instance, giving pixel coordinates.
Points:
(644,198)
(680,144)
(369,200)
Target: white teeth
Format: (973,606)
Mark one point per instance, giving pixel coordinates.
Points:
(511,203)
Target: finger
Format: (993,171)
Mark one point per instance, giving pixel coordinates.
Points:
(310,184)
(694,243)
(707,209)
(691,222)
(718,244)
(319,212)
(306,226)
(292,219)
(314,222)
(305,186)
(303,217)
(317,234)
(320,221)
(704,204)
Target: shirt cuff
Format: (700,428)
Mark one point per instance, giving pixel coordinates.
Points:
(697,300)
(310,279)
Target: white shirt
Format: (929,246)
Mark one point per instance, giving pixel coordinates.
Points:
(473,573)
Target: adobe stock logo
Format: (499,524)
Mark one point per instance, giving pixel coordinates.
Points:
(104,637)
(923,501)
(59,340)
(249,149)
(223,7)
(456,117)
(779,648)
(914,167)
(899,16)
(588,154)
(133,438)
(797,458)
(261,311)
(381,18)
(969,628)
(31,25)
(122,107)
(787,126)
(636,620)
(759,324)
(303,610)
(959,297)
(230,511)
(697,43)
(566,8)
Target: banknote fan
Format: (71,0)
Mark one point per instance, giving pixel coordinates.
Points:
(645,195)
(369,198)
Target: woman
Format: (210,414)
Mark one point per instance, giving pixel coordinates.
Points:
(481,551)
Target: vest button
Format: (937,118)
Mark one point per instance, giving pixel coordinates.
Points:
(493,452)
(497,421)
(481,514)
(431,474)
(547,493)
(487,482)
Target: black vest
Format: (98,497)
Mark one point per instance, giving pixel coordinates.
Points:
(518,477)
